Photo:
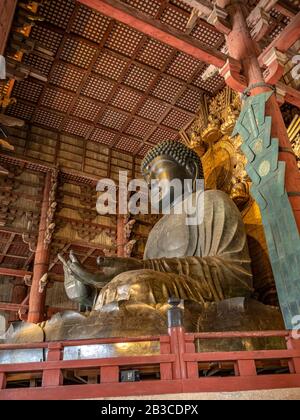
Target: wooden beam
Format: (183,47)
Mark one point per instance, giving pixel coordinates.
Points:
(3,171)
(203,6)
(15,307)
(265,5)
(292,96)
(56,259)
(12,307)
(287,38)
(7,11)
(285,10)
(154,29)
(10,272)
(7,246)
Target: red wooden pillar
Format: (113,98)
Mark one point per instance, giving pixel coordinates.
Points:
(175,350)
(121,240)
(177,341)
(242,48)
(41,262)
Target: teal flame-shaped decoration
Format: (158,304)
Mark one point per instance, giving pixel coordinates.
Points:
(268,189)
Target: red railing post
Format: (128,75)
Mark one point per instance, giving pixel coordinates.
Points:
(294,344)
(191,367)
(109,374)
(2,380)
(165,367)
(177,338)
(246,368)
(53,377)
(176,368)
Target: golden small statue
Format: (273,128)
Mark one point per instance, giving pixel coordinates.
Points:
(212,132)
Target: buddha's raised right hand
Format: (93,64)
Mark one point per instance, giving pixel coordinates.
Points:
(74,270)
(110,267)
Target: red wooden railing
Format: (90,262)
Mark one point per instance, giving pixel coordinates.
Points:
(178,364)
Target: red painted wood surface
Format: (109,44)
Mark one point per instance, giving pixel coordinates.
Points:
(162,33)
(12,307)
(37,299)
(14,273)
(286,39)
(7,10)
(177,361)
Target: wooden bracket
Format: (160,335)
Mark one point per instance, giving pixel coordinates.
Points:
(218,18)
(275,61)
(233,77)
(260,24)
(280,94)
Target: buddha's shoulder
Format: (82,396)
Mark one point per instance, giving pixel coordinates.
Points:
(217,198)
(214,195)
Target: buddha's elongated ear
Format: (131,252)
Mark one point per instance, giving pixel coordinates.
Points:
(195,171)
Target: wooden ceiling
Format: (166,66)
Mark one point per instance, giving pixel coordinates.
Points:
(110,83)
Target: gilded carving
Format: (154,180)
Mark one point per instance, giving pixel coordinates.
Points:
(294,135)
(209,134)
(52,208)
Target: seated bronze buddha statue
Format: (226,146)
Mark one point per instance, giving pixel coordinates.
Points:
(206,265)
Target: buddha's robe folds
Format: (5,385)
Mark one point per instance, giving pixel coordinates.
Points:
(205,262)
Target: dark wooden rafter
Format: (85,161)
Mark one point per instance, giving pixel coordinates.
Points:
(43,168)
(114,91)
(116,54)
(7,246)
(18,257)
(150,87)
(56,260)
(169,36)
(92,126)
(88,255)
(7,10)
(29,260)
(87,74)
(61,46)
(12,307)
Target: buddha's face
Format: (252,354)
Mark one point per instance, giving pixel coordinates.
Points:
(163,171)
